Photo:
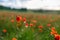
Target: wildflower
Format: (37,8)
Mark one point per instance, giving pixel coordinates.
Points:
(53,31)
(18,18)
(26,25)
(53,28)
(34,21)
(48,25)
(24,20)
(40,26)
(12,20)
(14,39)
(56,37)
(31,24)
(4,30)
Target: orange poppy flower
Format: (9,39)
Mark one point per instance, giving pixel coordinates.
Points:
(53,28)
(12,20)
(14,39)
(4,30)
(53,31)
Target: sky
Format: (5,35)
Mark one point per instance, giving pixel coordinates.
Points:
(32,4)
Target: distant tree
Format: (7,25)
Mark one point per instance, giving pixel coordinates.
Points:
(23,9)
(1,7)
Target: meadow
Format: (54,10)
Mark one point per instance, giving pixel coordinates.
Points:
(29,26)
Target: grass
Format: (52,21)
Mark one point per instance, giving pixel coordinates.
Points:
(19,31)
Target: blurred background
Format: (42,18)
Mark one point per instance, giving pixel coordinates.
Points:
(31,4)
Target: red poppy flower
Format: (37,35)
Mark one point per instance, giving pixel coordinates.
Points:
(26,25)
(40,26)
(48,25)
(24,20)
(56,37)
(18,18)
(31,24)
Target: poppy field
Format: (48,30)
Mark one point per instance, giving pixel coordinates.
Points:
(29,26)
